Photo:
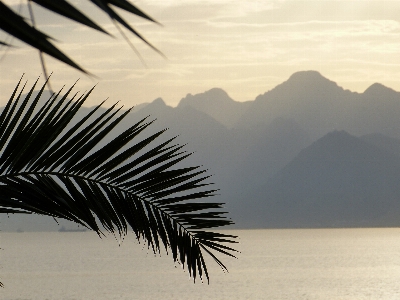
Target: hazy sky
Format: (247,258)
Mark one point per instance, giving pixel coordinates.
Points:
(245,47)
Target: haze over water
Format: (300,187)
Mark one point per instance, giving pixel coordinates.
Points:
(273,264)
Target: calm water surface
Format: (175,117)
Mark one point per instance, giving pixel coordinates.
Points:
(273,264)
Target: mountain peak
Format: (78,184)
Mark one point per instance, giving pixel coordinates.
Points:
(377,89)
(335,141)
(210,97)
(307,76)
(159,102)
(217,92)
(307,81)
(337,137)
(217,104)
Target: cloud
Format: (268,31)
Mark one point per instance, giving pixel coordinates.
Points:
(223,43)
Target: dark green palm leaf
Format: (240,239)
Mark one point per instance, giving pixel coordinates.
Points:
(53,164)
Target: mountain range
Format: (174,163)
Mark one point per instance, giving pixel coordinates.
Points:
(307,153)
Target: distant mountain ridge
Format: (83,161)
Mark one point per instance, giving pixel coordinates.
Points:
(320,106)
(316,103)
(307,153)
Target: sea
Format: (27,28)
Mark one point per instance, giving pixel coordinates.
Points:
(272,264)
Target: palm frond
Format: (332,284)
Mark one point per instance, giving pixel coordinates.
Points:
(16,25)
(54,164)
(67,10)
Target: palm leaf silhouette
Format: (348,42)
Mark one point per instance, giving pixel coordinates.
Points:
(14,24)
(53,164)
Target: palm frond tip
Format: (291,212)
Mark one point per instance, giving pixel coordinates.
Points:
(54,164)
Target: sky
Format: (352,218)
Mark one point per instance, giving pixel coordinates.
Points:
(244,47)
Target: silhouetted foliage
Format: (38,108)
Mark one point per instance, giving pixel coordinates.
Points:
(14,24)
(54,164)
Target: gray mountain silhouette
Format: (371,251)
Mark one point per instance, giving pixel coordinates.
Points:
(276,157)
(320,106)
(339,180)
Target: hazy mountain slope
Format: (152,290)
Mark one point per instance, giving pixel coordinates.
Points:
(377,112)
(199,131)
(339,180)
(266,150)
(384,142)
